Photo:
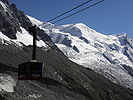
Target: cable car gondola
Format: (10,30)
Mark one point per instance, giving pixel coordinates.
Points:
(31,70)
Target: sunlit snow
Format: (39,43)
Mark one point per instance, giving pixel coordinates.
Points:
(7,83)
(22,38)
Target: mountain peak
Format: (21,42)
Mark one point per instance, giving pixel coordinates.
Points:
(121,35)
(80,24)
(77,25)
(77,29)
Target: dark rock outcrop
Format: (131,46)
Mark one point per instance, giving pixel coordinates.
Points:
(9,24)
(23,19)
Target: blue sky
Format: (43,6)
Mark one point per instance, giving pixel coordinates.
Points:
(109,17)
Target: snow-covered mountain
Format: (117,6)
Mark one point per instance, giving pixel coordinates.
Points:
(62,78)
(109,55)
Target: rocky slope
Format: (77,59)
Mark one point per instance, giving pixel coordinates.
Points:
(62,78)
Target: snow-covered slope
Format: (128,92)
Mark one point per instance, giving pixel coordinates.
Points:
(87,45)
(34,21)
(106,54)
(23,38)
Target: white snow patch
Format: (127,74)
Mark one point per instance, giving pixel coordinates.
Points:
(34,21)
(23,37)
(7,83)
(3,5)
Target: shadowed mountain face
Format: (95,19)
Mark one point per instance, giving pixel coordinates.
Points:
(62,78)
(9,24)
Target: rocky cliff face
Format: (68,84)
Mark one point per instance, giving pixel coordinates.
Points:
(23,20)
(62,78)
(9,24)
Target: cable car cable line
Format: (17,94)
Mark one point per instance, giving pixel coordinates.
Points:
(72,13)
(67,11)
